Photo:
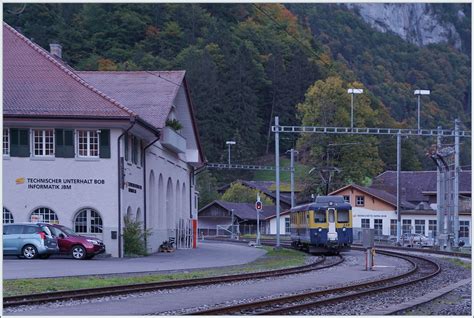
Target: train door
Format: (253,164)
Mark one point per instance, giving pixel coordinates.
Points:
(332,234)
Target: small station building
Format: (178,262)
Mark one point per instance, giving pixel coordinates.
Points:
(87,149)
(375,206)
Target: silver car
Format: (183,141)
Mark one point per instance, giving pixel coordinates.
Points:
(28,240)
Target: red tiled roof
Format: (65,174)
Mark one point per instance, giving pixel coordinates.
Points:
(36,84)
(150,94)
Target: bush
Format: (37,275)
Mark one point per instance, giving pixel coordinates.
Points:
(134,237)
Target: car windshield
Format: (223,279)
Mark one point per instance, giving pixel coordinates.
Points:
(67,230)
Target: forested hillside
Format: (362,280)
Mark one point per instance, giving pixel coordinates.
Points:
(247,63)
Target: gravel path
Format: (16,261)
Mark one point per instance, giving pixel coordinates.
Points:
(457,302)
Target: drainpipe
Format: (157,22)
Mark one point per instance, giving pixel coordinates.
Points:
(144,184)
(119,186)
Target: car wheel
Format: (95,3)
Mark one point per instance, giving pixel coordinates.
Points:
(78,252)
(45,256)
(29,251)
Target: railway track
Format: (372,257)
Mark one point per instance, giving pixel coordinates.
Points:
(422,269)
(356,246)
(12,301)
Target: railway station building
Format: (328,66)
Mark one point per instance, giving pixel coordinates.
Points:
(375,206)
(87,149)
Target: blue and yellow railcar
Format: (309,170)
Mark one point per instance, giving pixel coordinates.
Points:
(322,226)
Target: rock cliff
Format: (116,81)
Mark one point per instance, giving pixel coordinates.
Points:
(415,22)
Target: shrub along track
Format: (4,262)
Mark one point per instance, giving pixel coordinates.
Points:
(12,301)
(422,269)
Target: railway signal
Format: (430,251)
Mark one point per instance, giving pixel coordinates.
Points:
(258,207)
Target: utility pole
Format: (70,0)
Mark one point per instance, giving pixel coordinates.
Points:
(277,177)
(440,194)
(399,215)
(456,182)
(232,213)
(292,175)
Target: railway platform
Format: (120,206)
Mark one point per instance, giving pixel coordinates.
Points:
(207,255)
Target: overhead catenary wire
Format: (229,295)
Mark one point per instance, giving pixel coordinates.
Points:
(291,35)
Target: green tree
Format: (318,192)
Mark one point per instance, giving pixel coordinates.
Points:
(207,186)
(240,193)
(354,157)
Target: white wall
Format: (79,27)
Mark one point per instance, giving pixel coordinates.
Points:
(160,219)
(21,200)
(273,225)
(359,213)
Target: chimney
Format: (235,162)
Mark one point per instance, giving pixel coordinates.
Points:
(55,49)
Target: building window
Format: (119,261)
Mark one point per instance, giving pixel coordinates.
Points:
(43,142)
(406,226)
(88,143)
(7,216)
(365,223)
(126,146)
(88,221)
(360,200)
(44,215)
(420,227)
(135,150)
(432,227)
(378,226)
(464,229)
(287,225)
(393,227)
(6,141)
(347,198)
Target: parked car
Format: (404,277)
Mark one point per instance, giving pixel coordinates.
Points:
(413,239)
(28,240)
(78,246)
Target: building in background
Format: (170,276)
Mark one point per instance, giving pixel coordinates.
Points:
(375,207)
(216,218)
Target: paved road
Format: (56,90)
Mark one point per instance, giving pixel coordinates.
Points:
(159,302)
(206,255)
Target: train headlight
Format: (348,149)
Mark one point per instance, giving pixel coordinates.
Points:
(320,229)
(343,229)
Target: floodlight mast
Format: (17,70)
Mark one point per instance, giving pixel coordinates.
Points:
(420,92)
(353,91)
(229,143)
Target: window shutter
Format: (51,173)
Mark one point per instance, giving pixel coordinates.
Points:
(68,144)
(104,151)
(59,151)
(64,143)
(20,146)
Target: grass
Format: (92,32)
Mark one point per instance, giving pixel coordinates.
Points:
(458,262)
(273,259)
(269,175)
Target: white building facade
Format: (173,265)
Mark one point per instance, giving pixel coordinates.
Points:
(78,153)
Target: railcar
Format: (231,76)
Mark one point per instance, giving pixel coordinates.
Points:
(322,226)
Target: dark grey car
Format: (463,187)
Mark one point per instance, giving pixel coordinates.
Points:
(28,240)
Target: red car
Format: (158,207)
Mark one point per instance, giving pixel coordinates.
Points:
(78,246)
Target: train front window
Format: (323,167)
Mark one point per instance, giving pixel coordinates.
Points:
(342,216)
(331,215)
(320,216)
